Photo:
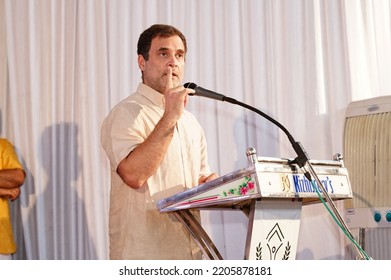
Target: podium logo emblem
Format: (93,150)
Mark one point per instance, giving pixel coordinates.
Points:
(277,246)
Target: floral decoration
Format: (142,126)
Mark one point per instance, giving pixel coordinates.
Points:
(247,186)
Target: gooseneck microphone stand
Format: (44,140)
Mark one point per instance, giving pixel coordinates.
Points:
(302,159)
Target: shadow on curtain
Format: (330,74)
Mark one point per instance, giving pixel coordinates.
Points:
(57,222)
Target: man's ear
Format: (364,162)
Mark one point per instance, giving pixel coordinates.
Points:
(141,62)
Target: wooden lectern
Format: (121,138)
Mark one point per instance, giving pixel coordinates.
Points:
(271,192)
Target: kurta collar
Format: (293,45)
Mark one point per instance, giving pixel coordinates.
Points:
(154,96)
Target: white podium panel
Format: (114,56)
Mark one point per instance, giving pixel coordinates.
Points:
(274,231)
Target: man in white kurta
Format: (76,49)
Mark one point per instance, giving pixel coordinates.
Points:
(156,148)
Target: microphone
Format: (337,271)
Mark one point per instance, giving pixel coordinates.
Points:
(199,91)
(302,157)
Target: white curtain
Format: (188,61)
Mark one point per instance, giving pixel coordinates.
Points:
(65,64)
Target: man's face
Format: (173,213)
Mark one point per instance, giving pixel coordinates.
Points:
(164,53)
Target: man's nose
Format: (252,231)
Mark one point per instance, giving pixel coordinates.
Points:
(172,61)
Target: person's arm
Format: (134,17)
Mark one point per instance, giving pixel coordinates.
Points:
(144,160)
(210,177)
(11,178)
(10,182)
(10,193)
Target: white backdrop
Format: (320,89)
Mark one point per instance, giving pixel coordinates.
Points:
(65,64)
